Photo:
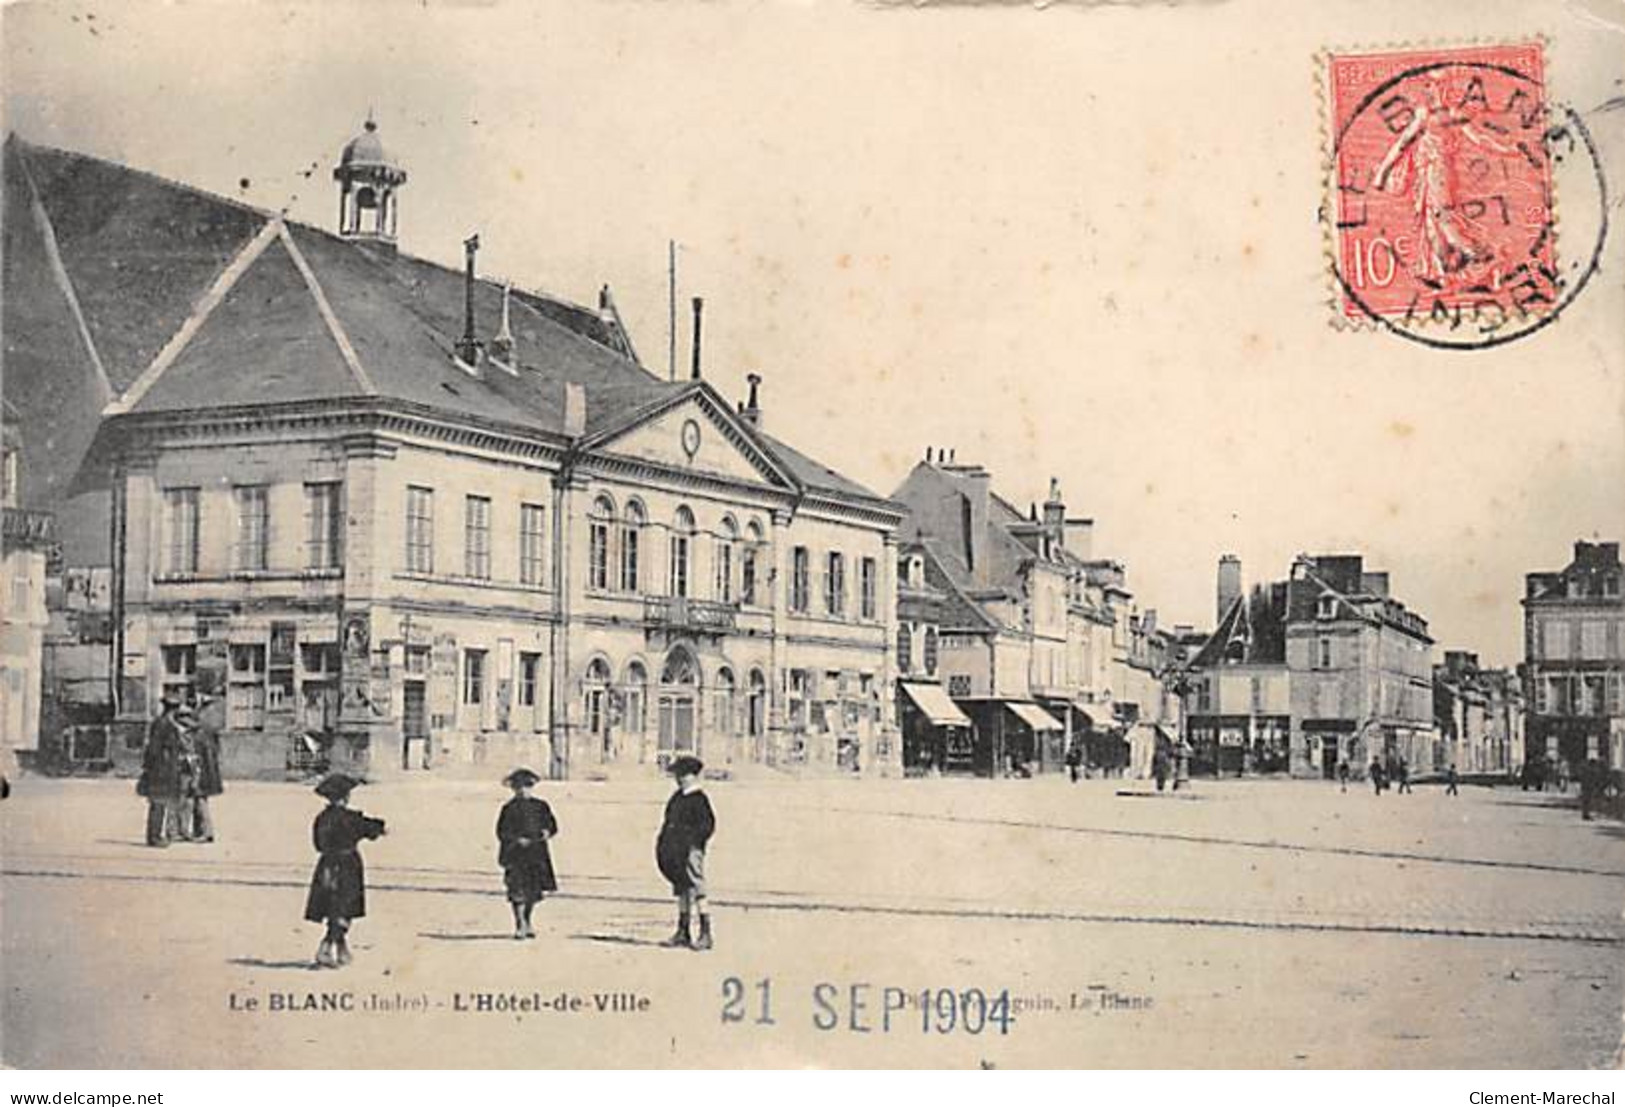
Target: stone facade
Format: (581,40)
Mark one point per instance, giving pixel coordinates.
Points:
(1574,649)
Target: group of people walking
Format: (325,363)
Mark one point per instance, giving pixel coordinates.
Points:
(180,771)
(525,825)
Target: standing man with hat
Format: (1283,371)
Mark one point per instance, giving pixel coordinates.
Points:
(161,772)
(680,851)
(338,887)
(203,725)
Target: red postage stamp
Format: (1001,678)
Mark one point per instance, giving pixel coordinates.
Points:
(1442,187)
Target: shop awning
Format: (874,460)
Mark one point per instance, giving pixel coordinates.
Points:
(1098,716)
(934,702)
(1034,716)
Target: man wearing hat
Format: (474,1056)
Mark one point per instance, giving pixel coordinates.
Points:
(201,730)
(680,851)
(338,887)
(161,772)
(523,828)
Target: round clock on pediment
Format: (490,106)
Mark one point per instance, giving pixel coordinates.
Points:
(691,438)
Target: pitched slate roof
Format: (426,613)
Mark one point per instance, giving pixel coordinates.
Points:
(191,301)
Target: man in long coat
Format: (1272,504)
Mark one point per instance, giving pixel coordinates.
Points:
(197,823)
(162,776)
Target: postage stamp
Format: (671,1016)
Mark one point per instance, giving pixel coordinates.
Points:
(1443,192)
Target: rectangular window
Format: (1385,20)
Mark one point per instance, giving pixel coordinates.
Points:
(477,537)
(1593,640)
(800,585)
(532,543)
(835,584)
(180,669)
(420,529)
(1556,635)
(747,576)
(253,527)
(473,677)
(905,647)
(245,688)
(530,668)
(1323,654)
(679,563)
(959,686)
(631,539)
(181,521)
(1257,696)
(324,525)
(598,555)
(725,570)
(867,589)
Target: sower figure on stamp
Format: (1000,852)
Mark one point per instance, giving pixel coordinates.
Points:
(338,887)
(523,828)
(680,851)
(160,781)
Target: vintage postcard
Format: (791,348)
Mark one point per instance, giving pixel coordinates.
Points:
(627,535)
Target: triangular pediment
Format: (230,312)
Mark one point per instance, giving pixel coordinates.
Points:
(695,433)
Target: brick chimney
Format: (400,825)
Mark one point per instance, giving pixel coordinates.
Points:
(1229,585)
(751,409)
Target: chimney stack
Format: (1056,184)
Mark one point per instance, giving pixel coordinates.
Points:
(468,347)
(752,411)
(575,409)
(502,344)
(1055,515)
(699,306)
(1229,586)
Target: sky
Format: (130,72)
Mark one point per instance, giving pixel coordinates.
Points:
(1068,241)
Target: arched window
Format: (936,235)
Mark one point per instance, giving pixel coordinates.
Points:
(682,547)
(756,707)
(598,524)
(748,565)
(595,692)
(636,717)
(679,690)
(722,702)
(631,546)
(723,562)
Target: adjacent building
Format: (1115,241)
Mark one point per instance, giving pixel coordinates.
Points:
(1036,644)
(1574,650)
(27,544)
(1300,674)
(401,516)
(1478,718)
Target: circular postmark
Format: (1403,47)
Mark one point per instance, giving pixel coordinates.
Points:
(1447,168)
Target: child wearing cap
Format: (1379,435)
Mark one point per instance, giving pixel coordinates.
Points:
(338,887)
(523,827)
(680,851)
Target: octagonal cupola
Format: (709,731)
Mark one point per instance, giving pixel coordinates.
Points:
(368,179)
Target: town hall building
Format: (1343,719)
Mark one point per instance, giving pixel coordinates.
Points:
(400,516)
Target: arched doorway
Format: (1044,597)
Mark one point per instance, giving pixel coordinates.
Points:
(595,708)
(679,695)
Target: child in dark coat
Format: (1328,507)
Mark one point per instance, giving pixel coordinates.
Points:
(680,851)
(523,828)
(338,887)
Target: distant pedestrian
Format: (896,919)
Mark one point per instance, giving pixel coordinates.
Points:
(1563,774)
(524,827)
(1450,781)
(338,887)
(203,781)
(1074,759)
(1343,776)
(1402,776)
(1159,768)
(1593,782)
(1379,776)
(161,781)
(685,831)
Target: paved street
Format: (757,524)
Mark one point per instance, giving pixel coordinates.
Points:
(1262,923)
